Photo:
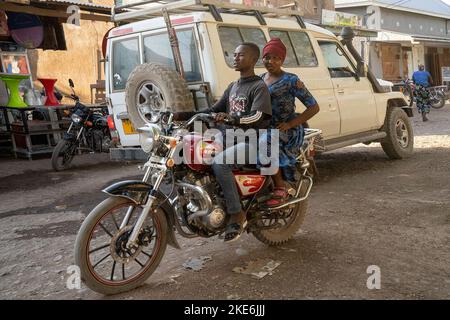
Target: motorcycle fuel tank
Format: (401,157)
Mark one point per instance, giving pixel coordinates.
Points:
(199,152)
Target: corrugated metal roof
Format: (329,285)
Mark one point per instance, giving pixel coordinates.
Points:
(82,4)
(434,7)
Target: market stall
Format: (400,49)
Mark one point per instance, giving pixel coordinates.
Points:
(32,117)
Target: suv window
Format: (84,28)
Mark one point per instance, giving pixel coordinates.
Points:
(157,49)
(291,59)
(231,37)
(338,63)
(125,59)
(299,51)
(303,49)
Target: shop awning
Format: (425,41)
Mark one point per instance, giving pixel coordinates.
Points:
(388,36)
(58,9)
(431,39)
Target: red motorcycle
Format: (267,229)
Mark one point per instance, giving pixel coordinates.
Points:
(123,239)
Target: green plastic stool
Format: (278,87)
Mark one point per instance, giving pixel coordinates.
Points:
(12,82)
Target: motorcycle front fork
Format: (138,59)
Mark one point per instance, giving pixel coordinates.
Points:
(132,241)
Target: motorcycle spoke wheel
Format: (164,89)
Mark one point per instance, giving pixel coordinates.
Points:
(63,155)
(109,259)
(283,224)
(283,219)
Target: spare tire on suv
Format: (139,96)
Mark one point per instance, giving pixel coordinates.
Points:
(152,88)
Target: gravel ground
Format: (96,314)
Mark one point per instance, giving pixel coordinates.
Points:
(365,210)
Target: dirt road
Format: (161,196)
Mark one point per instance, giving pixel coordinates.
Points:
(365,211)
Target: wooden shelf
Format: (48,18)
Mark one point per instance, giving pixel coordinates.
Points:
(35,137)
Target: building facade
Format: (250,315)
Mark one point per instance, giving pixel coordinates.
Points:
(409,33)
(311,9)
(78,54)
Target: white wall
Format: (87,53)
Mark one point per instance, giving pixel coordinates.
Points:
(418,55)
(375,61)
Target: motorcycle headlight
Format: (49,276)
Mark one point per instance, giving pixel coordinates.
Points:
(76,118)
(148,135)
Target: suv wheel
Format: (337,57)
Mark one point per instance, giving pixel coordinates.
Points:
(399,142)
(152,88)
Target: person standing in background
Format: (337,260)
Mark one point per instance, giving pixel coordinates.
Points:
(422,80)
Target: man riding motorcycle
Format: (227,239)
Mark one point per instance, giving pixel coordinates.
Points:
(245,104)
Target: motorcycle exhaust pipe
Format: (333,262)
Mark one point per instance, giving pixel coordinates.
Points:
(296,200)
(204,196)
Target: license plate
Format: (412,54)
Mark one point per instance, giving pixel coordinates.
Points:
(128,127)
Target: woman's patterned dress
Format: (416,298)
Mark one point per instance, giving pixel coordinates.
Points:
(283,93)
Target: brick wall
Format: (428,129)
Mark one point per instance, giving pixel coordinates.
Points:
(79,62)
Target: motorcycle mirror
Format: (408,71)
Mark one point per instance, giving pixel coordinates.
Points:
(71,83)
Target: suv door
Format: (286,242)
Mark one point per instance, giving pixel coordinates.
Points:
(354,94)
(125,56)
(302,60)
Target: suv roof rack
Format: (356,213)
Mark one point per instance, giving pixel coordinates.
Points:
(154,8)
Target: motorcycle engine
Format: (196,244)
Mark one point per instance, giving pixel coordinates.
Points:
(213,220)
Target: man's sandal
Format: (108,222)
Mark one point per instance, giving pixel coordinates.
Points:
(233,231)
(279,196)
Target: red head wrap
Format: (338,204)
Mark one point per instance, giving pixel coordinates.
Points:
(275,47)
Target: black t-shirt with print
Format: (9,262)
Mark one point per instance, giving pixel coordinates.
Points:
(247,98)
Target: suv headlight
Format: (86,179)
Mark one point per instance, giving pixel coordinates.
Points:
(148,135)
(76,118)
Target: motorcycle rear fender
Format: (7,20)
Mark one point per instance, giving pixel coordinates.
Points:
(138,191)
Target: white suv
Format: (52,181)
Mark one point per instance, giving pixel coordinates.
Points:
(141,76)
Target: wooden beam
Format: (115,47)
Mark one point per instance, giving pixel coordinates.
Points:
(19,1)
(95,17)
(51,12)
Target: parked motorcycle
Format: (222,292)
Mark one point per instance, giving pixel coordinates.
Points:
(89,131)
(123,239)
(438,96)
(407,87)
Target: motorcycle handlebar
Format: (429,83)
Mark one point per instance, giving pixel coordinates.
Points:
(205,117)
(200,116)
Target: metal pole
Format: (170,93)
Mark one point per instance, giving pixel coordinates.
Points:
(173,43)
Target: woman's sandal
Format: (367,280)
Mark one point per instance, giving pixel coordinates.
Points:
(279,196)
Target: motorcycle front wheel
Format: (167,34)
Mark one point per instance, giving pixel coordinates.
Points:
(106,264)
(409,96)
(63,154)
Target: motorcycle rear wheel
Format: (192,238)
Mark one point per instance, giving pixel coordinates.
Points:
(100,247)
(439,102)
(281,235)
(63,155)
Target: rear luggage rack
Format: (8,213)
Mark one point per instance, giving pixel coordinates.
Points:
(154,8)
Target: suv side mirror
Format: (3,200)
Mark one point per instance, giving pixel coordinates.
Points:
(71,83)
